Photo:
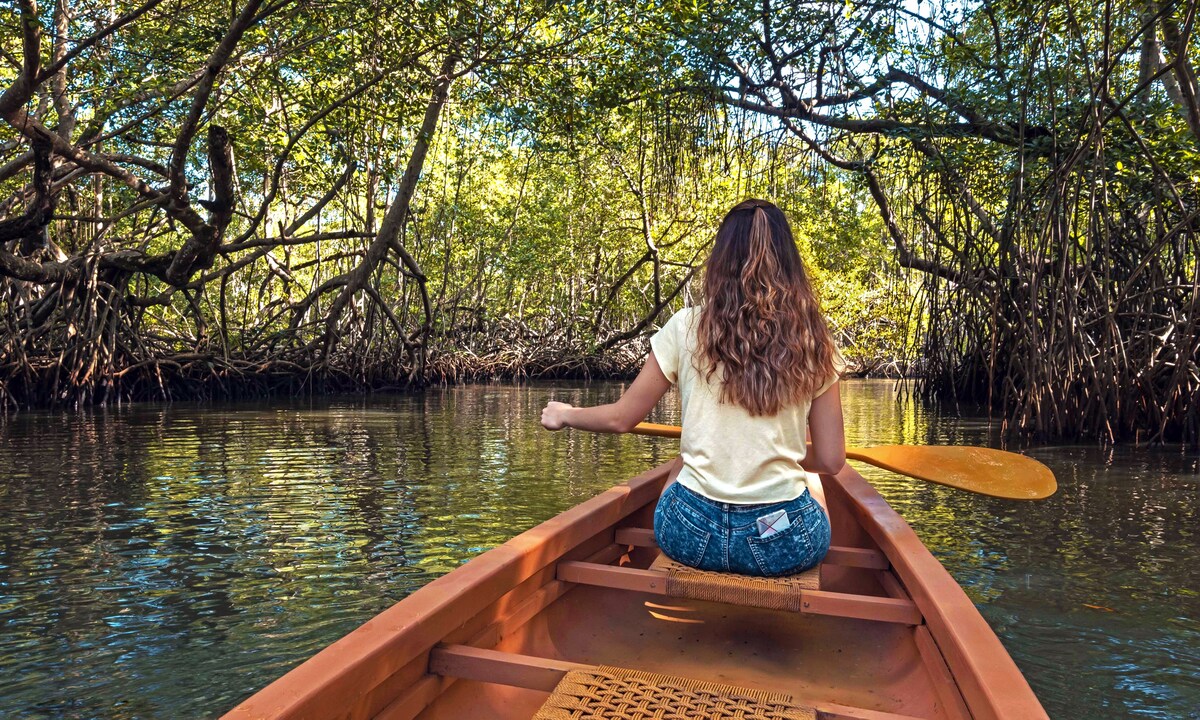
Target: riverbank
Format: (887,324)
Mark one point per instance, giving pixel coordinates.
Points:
(212,376)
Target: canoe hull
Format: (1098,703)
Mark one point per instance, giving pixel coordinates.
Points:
(428,656)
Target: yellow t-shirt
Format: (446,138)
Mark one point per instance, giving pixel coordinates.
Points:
(729,455)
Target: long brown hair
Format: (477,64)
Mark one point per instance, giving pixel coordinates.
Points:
(761,324)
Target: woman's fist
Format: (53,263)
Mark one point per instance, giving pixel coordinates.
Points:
(554,415)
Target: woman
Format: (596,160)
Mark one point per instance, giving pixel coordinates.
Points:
(757,369)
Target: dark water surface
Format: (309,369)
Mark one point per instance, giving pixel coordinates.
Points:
(167,561)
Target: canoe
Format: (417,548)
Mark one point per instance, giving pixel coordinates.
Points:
(580,610)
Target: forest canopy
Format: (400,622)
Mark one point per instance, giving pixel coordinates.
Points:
(213,199)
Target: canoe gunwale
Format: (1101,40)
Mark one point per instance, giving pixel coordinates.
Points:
(425,690)
(986,675)
(344,673)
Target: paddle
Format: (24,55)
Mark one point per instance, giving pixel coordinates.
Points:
(980,470)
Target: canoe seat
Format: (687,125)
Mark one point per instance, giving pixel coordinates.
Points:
(795,593)
(778,593)
(618,694)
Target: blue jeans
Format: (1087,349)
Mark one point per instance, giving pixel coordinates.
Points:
(712,535)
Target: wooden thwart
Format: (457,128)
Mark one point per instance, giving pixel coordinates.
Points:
(526,671)
(817,602)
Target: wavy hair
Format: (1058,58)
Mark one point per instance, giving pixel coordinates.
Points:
(761,324)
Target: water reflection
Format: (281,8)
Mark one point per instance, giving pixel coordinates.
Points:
(167,561)
(1095,590)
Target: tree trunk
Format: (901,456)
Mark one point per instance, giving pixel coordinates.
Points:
(393,221)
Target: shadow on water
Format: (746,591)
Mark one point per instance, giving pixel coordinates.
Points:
(167,561)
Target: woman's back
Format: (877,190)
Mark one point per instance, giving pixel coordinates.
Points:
(729,454)
(757,368)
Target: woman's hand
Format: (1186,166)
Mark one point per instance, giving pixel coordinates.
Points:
(618,417)
(554,415)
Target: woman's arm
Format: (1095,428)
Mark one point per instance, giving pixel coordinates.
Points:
(827,450)
(619,417)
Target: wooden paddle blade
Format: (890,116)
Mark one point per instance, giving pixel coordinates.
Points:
(982,470)
(978,469)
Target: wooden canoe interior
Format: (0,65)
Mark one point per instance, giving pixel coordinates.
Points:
(885,638)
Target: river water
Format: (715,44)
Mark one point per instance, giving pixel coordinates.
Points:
(167,561)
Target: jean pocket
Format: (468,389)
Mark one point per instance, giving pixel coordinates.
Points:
(680,538)
(787,552)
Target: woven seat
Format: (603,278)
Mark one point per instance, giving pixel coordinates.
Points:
(606,693)
(778,593)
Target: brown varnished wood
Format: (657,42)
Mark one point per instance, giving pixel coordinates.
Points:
(336,678)
(619,578)
(429,687)
(409,703)
(987,677)
(891,586)
(856,557)
(491,666)
(820,602)
(862,607)
(943,680)
(516,600)
(834,711)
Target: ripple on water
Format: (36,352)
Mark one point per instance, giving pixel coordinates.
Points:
(168,561)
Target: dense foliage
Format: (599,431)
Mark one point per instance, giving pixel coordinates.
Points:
(198,198)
